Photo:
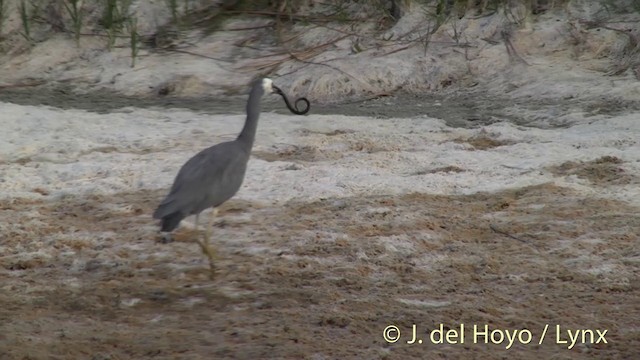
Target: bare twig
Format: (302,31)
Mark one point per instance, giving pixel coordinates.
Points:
(329,66)
(511,50)
(195,54)
(23,84)
(498,231)
(228,8)
(305,54)
(294,70)
(402,48)
(250,28)
(291,17)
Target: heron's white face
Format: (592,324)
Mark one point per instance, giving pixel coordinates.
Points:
(267,85)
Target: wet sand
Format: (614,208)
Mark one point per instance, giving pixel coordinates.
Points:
(467,108)
(84,277)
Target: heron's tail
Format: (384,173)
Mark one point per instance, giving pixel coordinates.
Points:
(170,213)
(171,221)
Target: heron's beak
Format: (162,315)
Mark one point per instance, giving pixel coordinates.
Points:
(276,90)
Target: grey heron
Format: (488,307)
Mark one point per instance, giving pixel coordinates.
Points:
(215,174)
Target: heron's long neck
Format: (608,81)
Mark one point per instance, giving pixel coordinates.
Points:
(248,133)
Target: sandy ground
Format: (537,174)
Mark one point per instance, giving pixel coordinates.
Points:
(508,199)
(322,279)
(345,225)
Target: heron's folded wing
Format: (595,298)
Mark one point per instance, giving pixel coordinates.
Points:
(205,171)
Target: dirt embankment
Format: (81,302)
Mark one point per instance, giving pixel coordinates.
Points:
(329,52)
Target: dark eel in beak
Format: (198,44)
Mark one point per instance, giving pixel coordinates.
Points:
(293,108)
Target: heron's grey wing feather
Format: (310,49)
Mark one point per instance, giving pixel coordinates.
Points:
(202,177)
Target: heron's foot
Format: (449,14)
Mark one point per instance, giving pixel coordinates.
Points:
(210,253)
(165,238)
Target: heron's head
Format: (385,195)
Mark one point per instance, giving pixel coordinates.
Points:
(269,88)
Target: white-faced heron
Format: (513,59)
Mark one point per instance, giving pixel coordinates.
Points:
(215,174)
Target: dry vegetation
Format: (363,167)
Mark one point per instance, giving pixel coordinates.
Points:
(319,279)
(602,171)
(190,20)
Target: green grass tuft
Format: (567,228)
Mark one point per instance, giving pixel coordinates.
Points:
(26,21)
(3,13)
(115,16)
(173,8)
(74,9)
(134,38)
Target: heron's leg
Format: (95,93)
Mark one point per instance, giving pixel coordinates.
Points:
(166,237)
(212,220)
(204,244)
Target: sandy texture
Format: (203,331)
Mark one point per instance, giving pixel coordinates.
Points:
(322,279)
(345,225)
(513,204)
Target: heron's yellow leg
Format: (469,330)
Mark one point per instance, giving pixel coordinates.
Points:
(207,249)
